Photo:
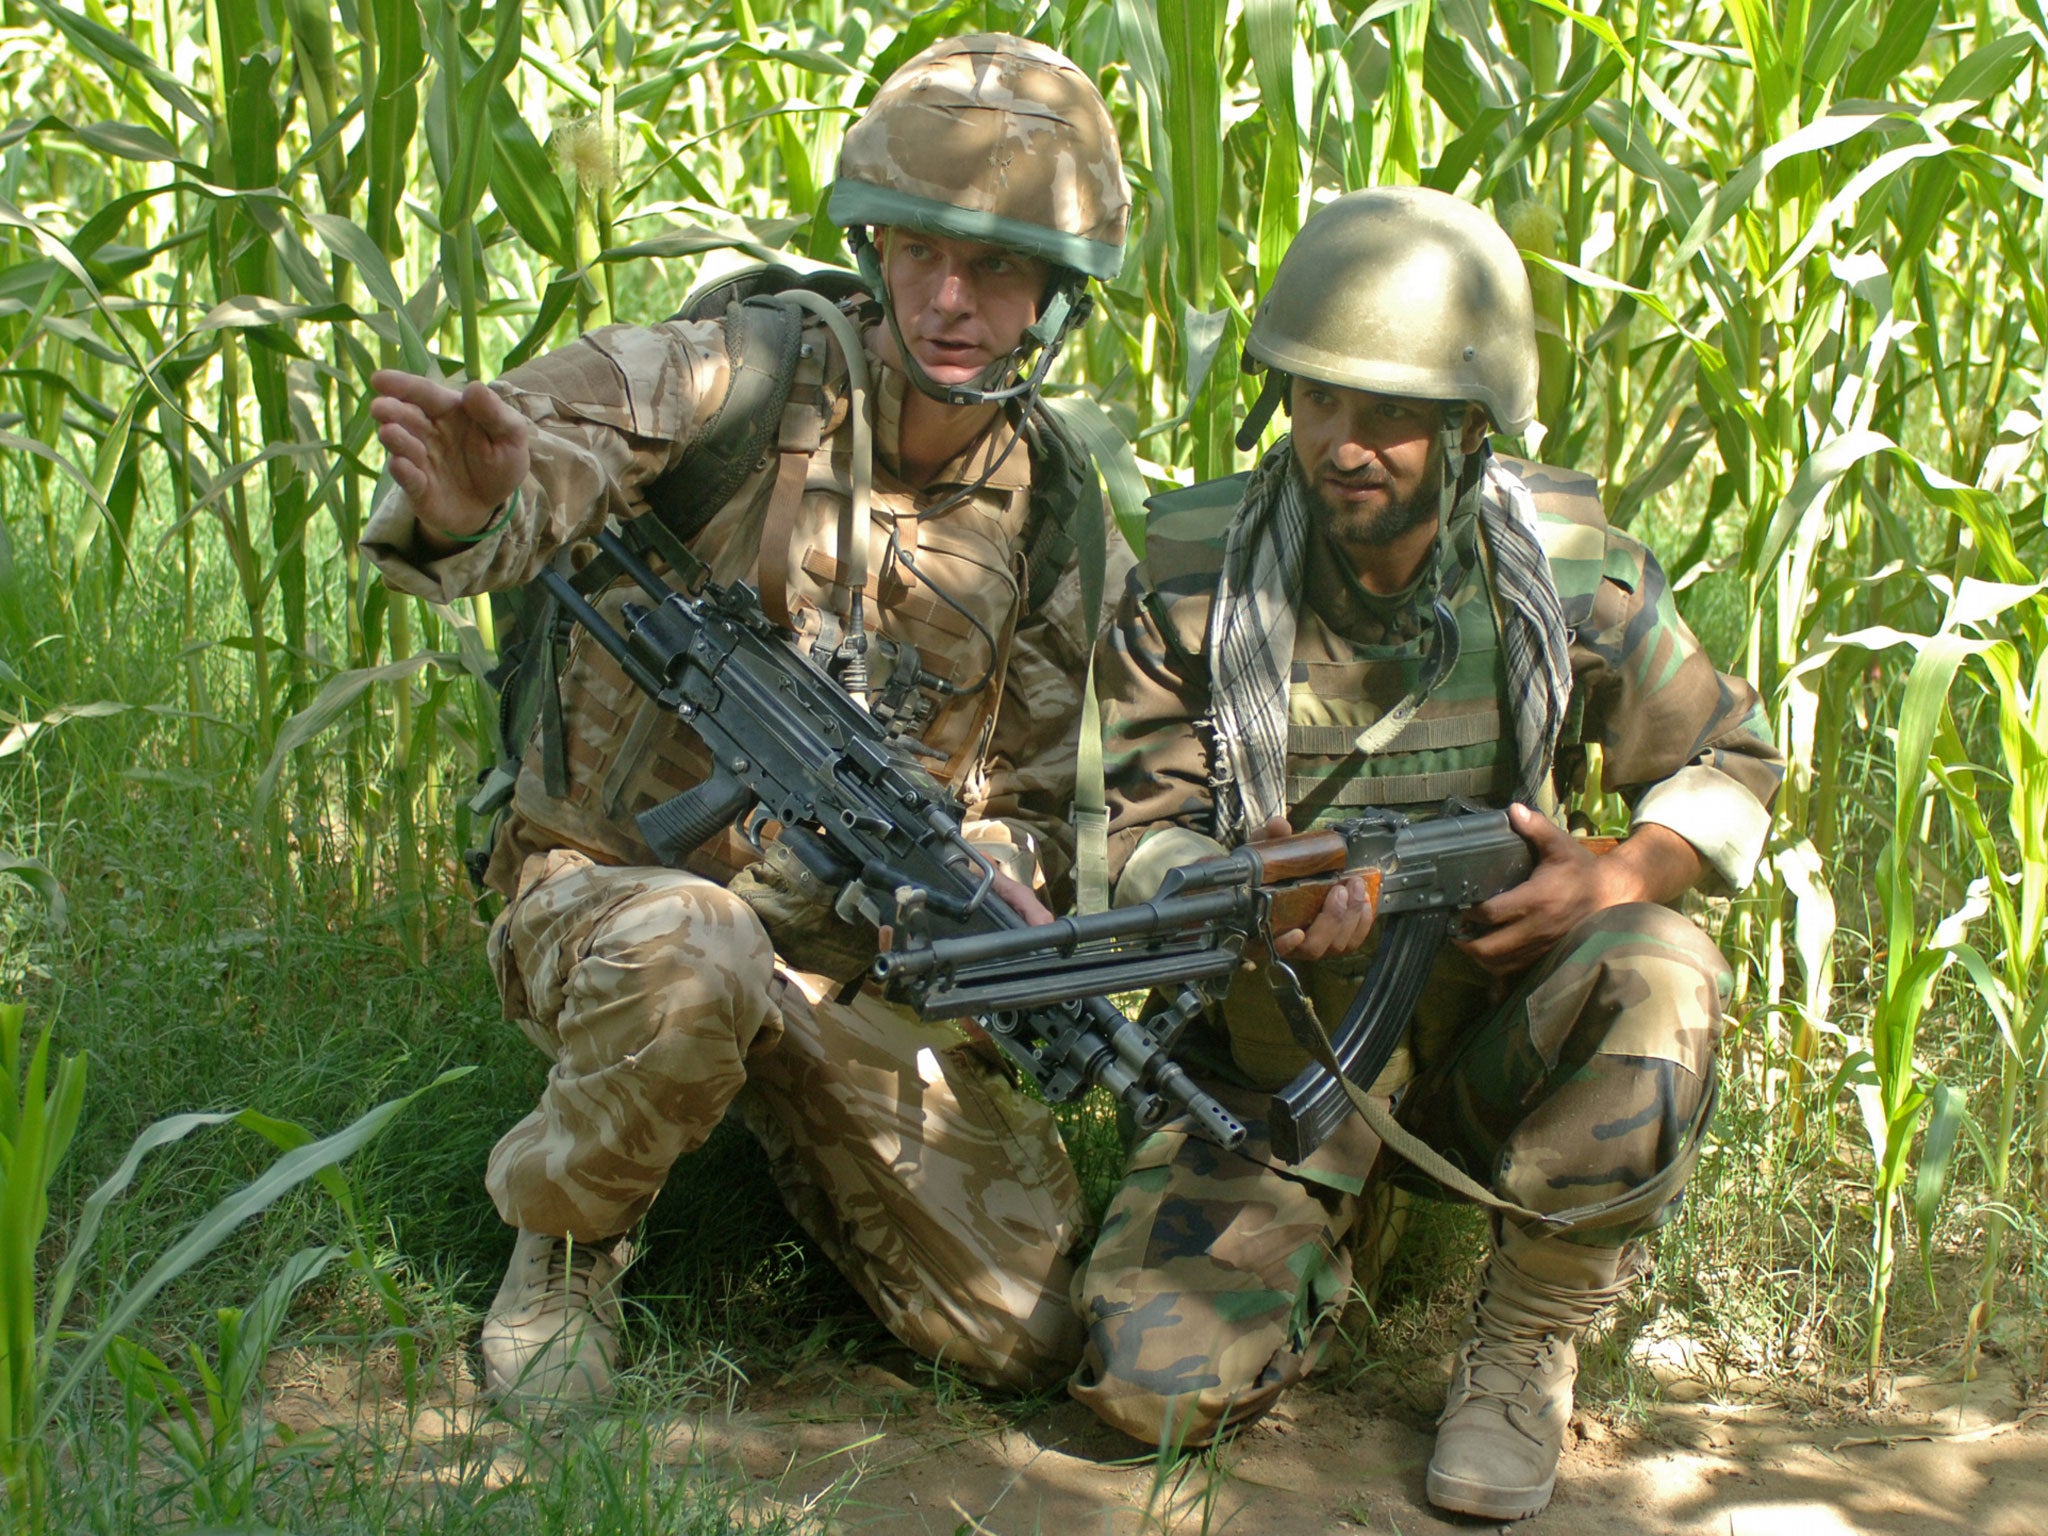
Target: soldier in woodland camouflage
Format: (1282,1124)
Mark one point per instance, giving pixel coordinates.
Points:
(982,189)
(1384,613)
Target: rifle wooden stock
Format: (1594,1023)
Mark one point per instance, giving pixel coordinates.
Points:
(1299,857)
(1296,905)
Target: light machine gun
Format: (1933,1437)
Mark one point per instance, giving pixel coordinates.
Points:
(787,744)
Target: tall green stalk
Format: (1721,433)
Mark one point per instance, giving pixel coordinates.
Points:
(38,1116)
(2016,887)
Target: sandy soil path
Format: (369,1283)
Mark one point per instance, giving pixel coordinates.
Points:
(860,1450)
(1334,1462)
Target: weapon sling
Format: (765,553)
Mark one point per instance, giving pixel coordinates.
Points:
(1319,1098)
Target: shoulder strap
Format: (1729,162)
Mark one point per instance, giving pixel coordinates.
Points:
(1090,543)
(1072,523)
(763,310)
(763,337)
(799,436)
(1060,483)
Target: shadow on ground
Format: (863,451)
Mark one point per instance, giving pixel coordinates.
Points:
(863,1449)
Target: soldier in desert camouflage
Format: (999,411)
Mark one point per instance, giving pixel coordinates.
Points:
(982,189)
(1385,614)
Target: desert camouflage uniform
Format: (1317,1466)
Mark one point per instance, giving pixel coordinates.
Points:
(944,1195)
(1582,1093)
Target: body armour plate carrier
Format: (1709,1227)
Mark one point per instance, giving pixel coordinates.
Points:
(949,588)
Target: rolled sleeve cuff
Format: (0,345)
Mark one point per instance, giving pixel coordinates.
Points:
(1726,824)
(1164,849)
(391,540)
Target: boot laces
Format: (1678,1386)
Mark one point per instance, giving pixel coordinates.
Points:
(1518,1324)
(576,1271)
(572,1268)
(1504,1364)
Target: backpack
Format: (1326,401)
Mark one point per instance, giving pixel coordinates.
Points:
(763,335)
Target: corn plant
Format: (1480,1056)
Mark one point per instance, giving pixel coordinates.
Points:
(215,1443)
(41,1372)
(1891,1086)
(2016,890)
(36,1128)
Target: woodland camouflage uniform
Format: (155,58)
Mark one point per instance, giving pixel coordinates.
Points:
(663,995)
(1582,1093)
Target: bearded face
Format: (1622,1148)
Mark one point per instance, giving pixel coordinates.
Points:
(1373,465)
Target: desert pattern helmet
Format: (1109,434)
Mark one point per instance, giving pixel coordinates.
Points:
(995,139)
(1404,291)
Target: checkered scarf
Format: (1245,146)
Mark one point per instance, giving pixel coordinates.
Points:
(1251,634)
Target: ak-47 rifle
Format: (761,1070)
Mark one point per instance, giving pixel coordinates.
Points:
(787,744)
(1193,934)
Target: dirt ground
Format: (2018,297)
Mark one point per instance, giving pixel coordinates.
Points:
(864,1450)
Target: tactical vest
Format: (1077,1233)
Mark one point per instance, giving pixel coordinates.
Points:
(1459,743)
(1456,744)
(951,591)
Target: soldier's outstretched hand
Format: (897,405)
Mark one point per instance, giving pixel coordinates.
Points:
(456,453)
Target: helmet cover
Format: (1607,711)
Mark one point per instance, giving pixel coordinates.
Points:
(994,139)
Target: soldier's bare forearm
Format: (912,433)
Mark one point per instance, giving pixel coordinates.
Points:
(1653,864)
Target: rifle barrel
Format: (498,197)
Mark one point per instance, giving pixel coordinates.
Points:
(602,632)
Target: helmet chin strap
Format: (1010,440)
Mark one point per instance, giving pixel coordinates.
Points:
(1270,395)
(1451,436)
(1069,307)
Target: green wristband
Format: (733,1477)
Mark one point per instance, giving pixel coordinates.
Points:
(488,529)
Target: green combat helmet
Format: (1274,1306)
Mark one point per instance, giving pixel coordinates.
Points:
(993,139)
(1400,291)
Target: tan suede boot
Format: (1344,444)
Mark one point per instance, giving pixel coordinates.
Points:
(1503,1423)
(552,1333)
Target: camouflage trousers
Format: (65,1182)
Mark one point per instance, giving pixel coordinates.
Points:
(1582,1096)
(943,1194)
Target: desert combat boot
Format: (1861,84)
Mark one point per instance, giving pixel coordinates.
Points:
(552,1333)
(1502,1428)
